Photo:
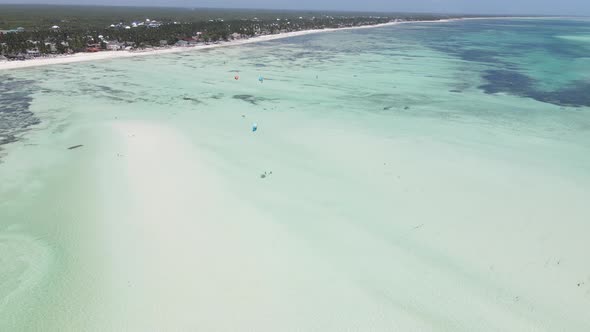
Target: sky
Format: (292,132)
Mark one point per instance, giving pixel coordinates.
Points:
(517,7)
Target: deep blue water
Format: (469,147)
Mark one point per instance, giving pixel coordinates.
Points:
(506,48)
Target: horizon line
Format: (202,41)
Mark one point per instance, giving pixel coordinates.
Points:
(295,10)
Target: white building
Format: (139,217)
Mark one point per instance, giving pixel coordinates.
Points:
(114,46)
(33,52)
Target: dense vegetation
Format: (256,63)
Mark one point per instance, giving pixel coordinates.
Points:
(81,26)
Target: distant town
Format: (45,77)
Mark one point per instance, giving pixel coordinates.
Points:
(75,34)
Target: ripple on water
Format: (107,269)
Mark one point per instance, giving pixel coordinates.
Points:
(24,263)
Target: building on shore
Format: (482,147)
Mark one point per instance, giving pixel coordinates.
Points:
(114,46)
(17,30)
(33,53)
(92,48)
(181,43)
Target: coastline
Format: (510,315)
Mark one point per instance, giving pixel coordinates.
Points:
(108,55)
(404,198)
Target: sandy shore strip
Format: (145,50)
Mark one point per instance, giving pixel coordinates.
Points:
(106,55)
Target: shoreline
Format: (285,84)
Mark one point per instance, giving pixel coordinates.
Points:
(109,55)
(394,202)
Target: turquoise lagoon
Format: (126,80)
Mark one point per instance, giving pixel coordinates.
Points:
(418,177)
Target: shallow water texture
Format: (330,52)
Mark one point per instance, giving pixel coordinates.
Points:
(420,177)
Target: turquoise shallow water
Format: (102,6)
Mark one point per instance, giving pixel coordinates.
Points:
(424,177)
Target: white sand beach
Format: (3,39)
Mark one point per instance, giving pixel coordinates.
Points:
(106,55)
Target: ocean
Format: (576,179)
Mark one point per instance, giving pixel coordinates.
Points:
(417,177)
